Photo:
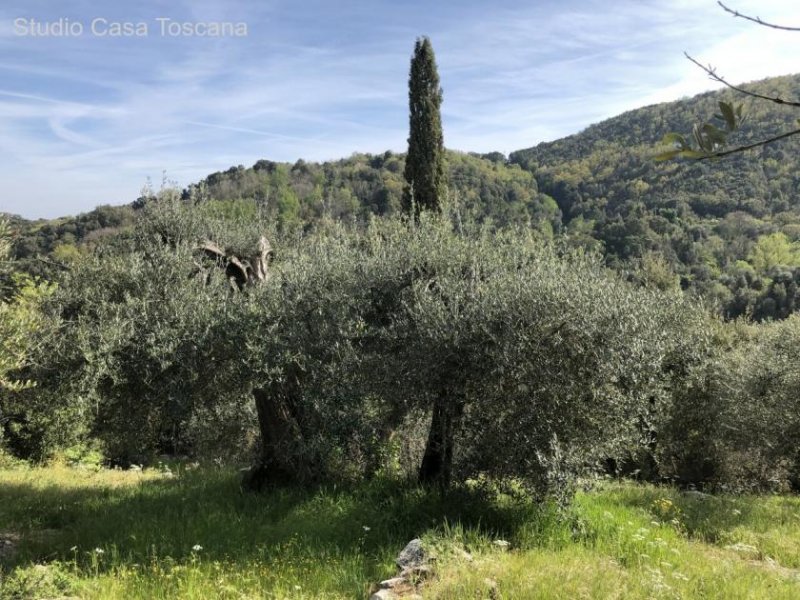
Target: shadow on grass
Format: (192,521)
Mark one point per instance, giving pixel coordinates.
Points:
(153,519)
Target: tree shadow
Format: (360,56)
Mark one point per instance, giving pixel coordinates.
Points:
(205,514)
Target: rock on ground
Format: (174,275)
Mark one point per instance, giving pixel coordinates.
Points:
(411,556)
(8,546)
(388,584)
(384,594)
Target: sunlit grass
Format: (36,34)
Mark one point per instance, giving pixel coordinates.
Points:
(631,541)
(194,534)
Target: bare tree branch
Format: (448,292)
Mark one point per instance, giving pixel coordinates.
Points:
(54,263)
(712,73)
(751,146)
(710,138)
(758,20)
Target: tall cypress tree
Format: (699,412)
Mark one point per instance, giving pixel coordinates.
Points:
(424,173)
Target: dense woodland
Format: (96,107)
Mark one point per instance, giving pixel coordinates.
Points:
(727,228)
(544,324)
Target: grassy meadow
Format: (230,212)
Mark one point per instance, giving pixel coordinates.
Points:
(180,533)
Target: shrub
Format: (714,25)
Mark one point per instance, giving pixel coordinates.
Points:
(37,581)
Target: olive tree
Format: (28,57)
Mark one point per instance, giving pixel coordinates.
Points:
(22,327)
(520,351)
(20,319)
(761,426)
(187,321)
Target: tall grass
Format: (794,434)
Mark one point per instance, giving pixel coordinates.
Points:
(195,534)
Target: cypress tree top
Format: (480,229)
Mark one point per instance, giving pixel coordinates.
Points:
(424,172)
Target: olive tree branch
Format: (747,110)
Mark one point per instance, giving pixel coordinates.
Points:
(750,146)
(712,73)
(758,20)
(708,140)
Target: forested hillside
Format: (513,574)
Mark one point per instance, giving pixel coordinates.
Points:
(727,229)
(45,248)
(298,195)
(486,187)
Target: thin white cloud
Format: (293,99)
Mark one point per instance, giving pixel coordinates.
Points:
(593,75)
(98,116)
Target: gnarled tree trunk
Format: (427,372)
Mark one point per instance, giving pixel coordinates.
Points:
(277,405)
(242,272)
(280,436)
(437,462)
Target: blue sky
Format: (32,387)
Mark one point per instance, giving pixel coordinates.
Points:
(85,119)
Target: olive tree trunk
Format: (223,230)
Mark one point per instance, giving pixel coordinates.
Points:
(280,438)
(437,462)
(277,405)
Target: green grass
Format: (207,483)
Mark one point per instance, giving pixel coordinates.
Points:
(114,534)
(631,541)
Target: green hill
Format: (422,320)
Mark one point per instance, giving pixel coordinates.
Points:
(704,219)
(487,187)
(728,230)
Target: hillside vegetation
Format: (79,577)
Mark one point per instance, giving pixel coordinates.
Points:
(728,230)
